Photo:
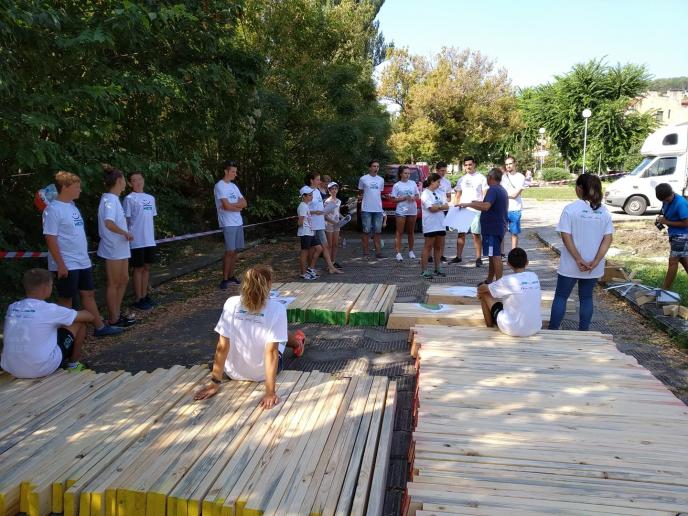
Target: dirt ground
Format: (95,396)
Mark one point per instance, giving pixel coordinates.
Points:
(640,240)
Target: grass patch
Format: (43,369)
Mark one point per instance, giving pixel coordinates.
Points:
(652,275)
(550,193)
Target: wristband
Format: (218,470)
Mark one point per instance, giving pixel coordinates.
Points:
(215,380)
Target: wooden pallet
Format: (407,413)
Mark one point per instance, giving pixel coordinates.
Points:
(118,445)
(464,295)
(406,315)
(557,423)
(355,304)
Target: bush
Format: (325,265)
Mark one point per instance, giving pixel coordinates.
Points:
(555,174)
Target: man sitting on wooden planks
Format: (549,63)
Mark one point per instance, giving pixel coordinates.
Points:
(40,336)
(513,302)
(253,336)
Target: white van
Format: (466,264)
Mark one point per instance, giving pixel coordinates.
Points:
(665,161)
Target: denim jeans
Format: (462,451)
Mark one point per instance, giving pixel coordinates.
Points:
(561,295)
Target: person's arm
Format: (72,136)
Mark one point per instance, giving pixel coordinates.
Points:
(683,223)
(476,205)
(583,266)
(516,194)
(218,370)
(301,217)
(601,251)
(233,206)
(54,250)
(438,207)
(270,398)
(110,224)
(84,316)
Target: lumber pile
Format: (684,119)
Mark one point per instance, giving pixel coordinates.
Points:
(355,304)
(406,315)
(557,423)
(463,295)
(114,444)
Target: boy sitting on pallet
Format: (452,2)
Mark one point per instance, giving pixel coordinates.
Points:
(40,336)
(513,302)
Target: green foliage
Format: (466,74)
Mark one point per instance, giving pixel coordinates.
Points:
(555,174)
(670,83)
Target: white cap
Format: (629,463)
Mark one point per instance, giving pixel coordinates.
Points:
(330,185)
(305,190)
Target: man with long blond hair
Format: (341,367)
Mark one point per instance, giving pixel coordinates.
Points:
(253,336)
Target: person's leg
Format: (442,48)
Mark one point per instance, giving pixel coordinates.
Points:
(496,266)
(670,276)
(486,303)
(88,300)
(561,296)
(514,241)
(137,280)
(78,331)
(329,235)
(460,243)
(123,280)
(377,232)
(514,226)
(437,251)
(585,297)
(333,245)
(410,232)
(317,250)
(112,290)
(365,228)
(145,279)
(428,245)
(684,261)
(303,259)
(478,243)
(400,225)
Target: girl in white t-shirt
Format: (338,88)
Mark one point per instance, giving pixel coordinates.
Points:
(586,229)
(433,204)
(332,217)
(253,336)
(404,194)
(114,245)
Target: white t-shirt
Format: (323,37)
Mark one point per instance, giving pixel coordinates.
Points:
(472,187)
(512,183)
(31,337)
(63,220)
(521,297)
(317,221)
(404,189)
(445,186)
(249,334)
(332,217)
(112,246)
(306,228)
(139,209)
(432,221)
(587,228)
(229,191)
(372,193)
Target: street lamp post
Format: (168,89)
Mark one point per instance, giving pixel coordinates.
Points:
(542,147)
(586,114)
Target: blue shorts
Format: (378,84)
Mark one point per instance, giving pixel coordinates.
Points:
(371,221)
(514,222)
(492,245)
(234,238)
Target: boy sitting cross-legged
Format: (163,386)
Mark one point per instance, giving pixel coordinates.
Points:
(513,301)
(39,336)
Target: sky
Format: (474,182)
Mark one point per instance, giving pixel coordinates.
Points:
(537,39)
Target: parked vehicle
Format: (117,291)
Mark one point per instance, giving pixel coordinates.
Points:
(665,161)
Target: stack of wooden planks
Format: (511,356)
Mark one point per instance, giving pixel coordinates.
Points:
(406,315)
(557,423)
(355,304)
(114,444)
(463,295)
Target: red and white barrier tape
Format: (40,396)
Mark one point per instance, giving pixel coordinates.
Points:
(43,254)
(563,181)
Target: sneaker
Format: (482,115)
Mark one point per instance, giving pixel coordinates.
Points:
(412,255)
(107,331)
(308,276)
(150,301)
(430,259)
(312,271)
(301,338)
(234,280)
(479,262)
(77,368)
(440,274)
(456,259)
(224,284)
(142,304)
(426,275)
(337,266)
(124,321)
(399,257)
(503,257)
(379,256)
(444,259)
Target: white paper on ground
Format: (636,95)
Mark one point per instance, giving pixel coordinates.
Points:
(460,219)
(463,291)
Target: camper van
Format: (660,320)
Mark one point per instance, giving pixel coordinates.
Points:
(665,155)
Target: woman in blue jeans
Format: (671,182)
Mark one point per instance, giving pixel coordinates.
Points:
(586,229)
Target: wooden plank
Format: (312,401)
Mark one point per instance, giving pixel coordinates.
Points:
(406,315)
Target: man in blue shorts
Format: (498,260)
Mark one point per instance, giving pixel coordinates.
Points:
(229,203)
(370,188)
(513,182)
(675,216)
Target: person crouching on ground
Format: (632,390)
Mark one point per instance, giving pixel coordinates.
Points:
(39,337)
(513,302)
(675,216)
(258,329)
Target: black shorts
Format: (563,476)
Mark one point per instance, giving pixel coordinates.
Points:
(308,241)
(435,234)
(65,341)
(142,256)
(496,308)
(76,281)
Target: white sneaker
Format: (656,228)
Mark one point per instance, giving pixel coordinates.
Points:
(399,257)
(308,276)
(412,255)
(312,272)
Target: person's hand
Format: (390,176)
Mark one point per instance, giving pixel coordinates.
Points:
(62,271)
(128,236)
(661,219)
(583,266)
(593,264)
(269,401)
(207,392)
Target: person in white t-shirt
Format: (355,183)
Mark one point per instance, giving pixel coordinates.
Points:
(370,188)
(253,336)
(513,301)
(470,187)
(333,216)
(446,187)
(514,183)
(63,228)
(318,224)
(140,210)
(229,203)
(405,194)
(310,244)
(38,336)
(433,205)
(586,229)
(114,245)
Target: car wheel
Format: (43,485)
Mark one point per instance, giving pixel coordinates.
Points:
(636,205)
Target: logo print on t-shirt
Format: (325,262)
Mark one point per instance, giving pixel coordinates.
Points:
(76,218)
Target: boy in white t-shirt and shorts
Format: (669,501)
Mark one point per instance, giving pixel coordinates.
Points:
(470,187)
(229,202)
(370,188)
(513,301)
(140,210)
(40,337)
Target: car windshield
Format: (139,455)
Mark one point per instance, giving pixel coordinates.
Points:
(643,164)
(392,173)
